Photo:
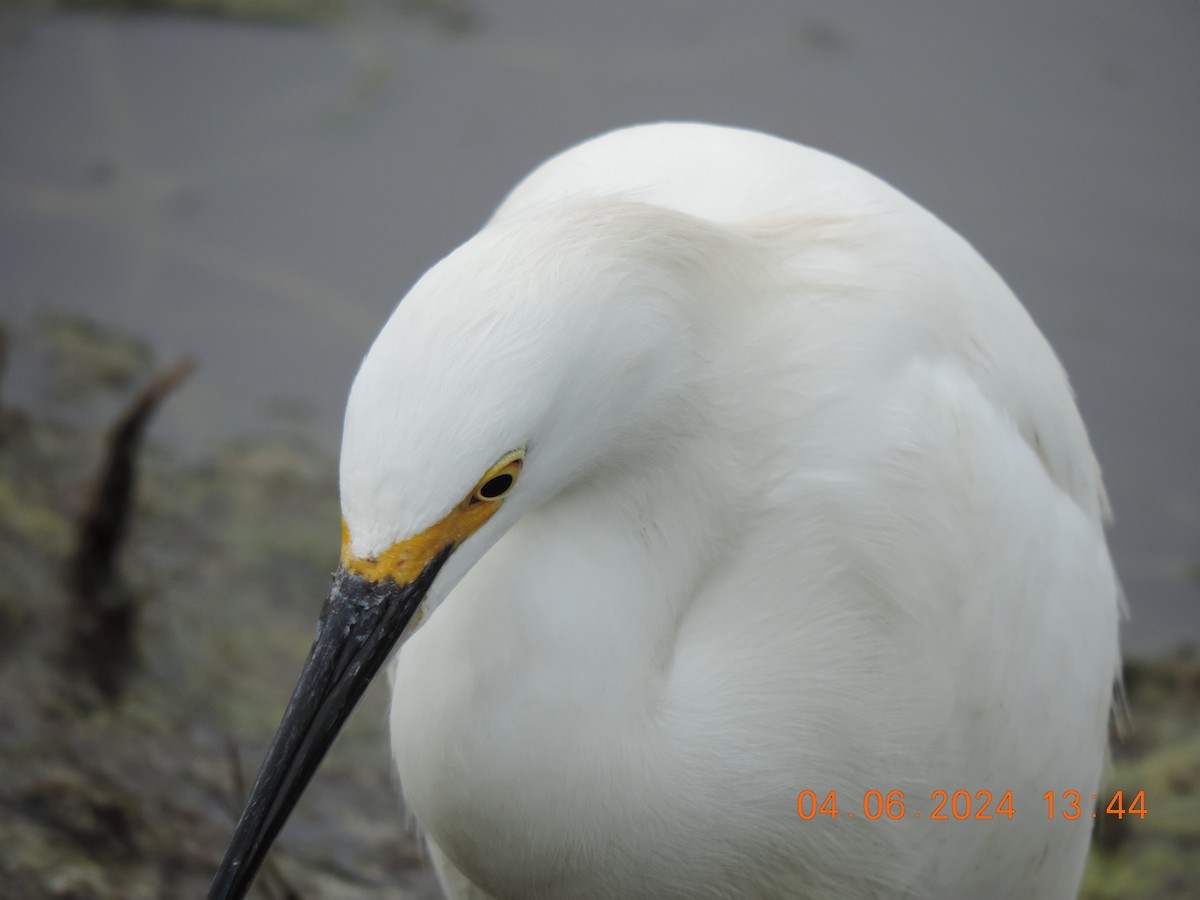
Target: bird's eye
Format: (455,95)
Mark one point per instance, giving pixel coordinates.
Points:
(495,488)
(500,480)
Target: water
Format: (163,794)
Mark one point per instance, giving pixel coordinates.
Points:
(260,196)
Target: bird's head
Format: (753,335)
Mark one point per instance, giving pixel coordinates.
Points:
(549,347)
(539,350)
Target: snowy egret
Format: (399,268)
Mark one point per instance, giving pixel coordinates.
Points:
(743,539)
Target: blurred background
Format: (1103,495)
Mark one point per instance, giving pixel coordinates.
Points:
(254,184)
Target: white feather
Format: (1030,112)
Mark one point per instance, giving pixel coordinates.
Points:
(807,504)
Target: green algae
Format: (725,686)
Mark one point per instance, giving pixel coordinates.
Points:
(453,16)
(1158,754)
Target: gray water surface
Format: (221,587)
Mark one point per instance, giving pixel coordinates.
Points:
(261,196)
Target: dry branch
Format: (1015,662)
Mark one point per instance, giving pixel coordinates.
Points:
(102,617)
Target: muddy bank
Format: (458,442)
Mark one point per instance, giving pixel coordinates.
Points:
(132,794)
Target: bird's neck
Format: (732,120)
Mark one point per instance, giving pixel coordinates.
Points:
(595,584)
(575,611)
(553,657)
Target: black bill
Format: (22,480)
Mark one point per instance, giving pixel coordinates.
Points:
(359,625)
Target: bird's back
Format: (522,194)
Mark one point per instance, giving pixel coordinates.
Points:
(741,178)
(726,175)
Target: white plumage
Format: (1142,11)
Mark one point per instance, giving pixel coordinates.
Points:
(806,505)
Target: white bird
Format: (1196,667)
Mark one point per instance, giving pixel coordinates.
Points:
(711,472)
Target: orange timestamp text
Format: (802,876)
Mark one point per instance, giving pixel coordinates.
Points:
(959,806)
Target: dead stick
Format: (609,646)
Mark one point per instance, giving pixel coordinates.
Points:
(102,615)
